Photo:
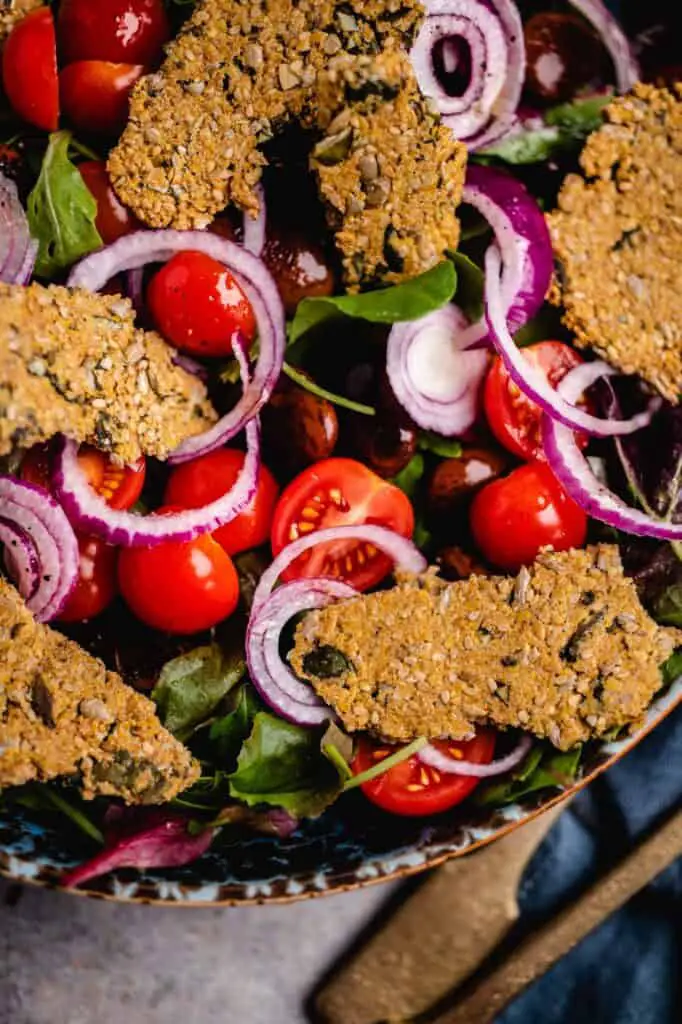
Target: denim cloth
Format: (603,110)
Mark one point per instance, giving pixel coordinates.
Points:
(628,971)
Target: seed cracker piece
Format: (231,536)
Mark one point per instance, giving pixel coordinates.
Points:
(12,12)
(618,238)
(62,714)
(73,362)
(565,651)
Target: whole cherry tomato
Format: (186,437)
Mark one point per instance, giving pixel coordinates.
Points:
(414,789)
(96,586)
(133,31)
(113,219)
(207,478)
(95,94)
(29,70)
(120,486)
(199,306)
(340,492)
(179,586)
(513,518)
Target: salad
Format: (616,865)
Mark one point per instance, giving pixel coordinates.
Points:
(340,365)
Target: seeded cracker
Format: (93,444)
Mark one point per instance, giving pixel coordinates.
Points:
(73,362)
(564,651)
(12,11)
(62,714)
(617,237)
(239,71)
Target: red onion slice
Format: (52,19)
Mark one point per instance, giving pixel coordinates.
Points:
(255,227)
(434,758)
(38,515)
(573,471)
(532,381)
(21,560)
(142,247)
(403,552)
(614,39)
(17,248)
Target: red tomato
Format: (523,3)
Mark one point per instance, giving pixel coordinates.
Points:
(113,219)
(205,479)
(340,492)
(117,30)
(179,587)
(198,305)
(513,518)
(120,486)
(95,94)
(29,70)
(412,788)
(514,419)
(96,586)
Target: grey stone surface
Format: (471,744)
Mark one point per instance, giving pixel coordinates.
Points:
(70,960)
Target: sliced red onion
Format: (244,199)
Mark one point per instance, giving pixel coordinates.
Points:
(432,375)
(17,249)
(435,758)
(574,473)
(21,560)
(255,227)
(533,382)
(614,39)
(401,550)
(278,686)
(190,365)
(135,288)
(142,247)
(33,511)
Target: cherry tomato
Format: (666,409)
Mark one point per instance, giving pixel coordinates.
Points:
(96,586)
(340,492)
(198,305)
(95,94)
(514,419)
(179,586)
(412,788)
(207,478)
(113,219)
(120,486)
(29,70)
(116,30)
(513,518)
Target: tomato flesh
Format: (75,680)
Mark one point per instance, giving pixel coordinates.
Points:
(29,70)
(179,586)
(96,586)
(95,94)
(339,492)
(116,30)
(514,419)
(513,518)
(120,486)
(199,307)
(207,478)
(113,219)
(414,789)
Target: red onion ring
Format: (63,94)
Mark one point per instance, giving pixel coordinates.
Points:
(38,515)
(434,758)
(614,39)
(254,229)
(21,560)
(17,249)
(142,247)
(532,381)
(573,471)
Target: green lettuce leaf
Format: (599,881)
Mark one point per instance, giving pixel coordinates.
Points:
(544,768)
(443,447)
(566,126)
(227,734)
(61,211)
(672,668)
(191,687)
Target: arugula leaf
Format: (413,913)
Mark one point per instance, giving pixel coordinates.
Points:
(250,566)
(672,668)
(191,686)
(228,733)
(667,608)
(61,211)
(444,447)
(581,116)
(470,286)
(407,301)
(544,768)
(337,747)
(282,765)
(409,478)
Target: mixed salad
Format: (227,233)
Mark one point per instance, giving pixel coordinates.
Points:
(317,415)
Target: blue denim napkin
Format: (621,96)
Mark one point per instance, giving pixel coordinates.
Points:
(628,971)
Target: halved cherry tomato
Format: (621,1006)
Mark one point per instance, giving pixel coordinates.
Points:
(113,219)
(207,478)
(412,788)
(513,518)
(95,94)
(118,30)
(340,492)
(96,586)
(179,587)
(29,70)
(199,307)
(120,486)
(514,419)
